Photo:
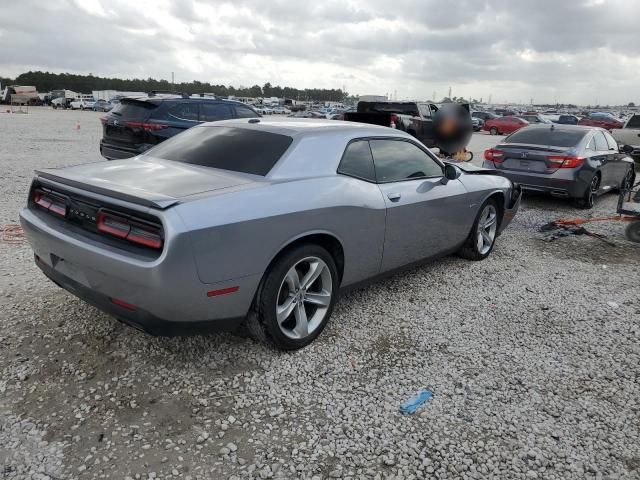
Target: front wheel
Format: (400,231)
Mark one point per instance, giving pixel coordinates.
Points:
(482,237)
(627,181)
(296,298)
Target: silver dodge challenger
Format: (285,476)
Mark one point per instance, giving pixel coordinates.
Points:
(257,224)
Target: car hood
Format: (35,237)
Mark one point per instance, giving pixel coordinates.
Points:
(157,182)
(470,168)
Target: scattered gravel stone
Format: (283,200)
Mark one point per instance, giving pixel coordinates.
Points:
(534,371)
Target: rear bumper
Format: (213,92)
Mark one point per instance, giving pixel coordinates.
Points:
(117,152)
(138,318)
(166,292)
(559,184)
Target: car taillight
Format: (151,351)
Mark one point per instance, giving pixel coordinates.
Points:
(50,202)
(565,161)
(394,121)
(149,127)
(494,155)
(129,229)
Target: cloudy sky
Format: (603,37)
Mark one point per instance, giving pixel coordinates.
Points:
(579,51)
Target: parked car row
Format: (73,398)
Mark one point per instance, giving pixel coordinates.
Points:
(84,103)
(594,119)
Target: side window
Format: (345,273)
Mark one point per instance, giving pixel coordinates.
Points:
(634,122)
(245,112)
(613,145)
(184,111)
(600,142)
(424,109)
(357,161)
(397,160)
(210,112)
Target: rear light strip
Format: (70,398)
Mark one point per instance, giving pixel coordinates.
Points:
(149,127)
(50,202)
(494,155)
(565,161)
(129,229)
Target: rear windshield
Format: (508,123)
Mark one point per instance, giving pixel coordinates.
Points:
(388,107)
(547,137)
(133,111)
(228,148)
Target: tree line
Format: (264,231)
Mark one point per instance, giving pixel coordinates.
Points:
(47,81)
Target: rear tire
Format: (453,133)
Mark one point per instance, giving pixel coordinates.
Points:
(482,238)
(588,198)
(295,299)
(493,131)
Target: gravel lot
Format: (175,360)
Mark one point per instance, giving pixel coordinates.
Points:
(533,357)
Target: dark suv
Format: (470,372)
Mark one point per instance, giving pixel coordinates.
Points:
(137,124)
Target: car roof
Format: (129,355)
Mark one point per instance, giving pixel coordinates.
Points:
(295,126)
(172,97)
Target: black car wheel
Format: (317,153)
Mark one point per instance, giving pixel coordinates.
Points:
(482,238)
(296,298)
(588,199)
(494,131)
(627,181)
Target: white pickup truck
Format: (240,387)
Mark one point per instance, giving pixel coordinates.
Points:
(629,134)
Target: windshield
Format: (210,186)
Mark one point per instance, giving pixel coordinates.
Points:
(228,148)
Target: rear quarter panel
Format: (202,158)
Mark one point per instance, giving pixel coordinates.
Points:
(240,233)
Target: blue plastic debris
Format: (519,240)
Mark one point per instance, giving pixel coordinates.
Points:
(411,405)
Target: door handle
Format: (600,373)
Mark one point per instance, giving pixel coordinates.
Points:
(394,197)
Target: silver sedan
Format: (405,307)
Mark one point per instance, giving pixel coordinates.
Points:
(257,224)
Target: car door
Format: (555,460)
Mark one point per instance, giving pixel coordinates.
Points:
(424,216)
(603,158)
(181,116)
(619,167)
(427,112)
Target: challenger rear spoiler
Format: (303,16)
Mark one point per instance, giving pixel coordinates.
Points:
(161,202)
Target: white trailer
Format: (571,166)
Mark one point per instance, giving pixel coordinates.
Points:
(109,95)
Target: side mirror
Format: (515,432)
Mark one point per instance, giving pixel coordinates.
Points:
(627,149)
(450,173)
